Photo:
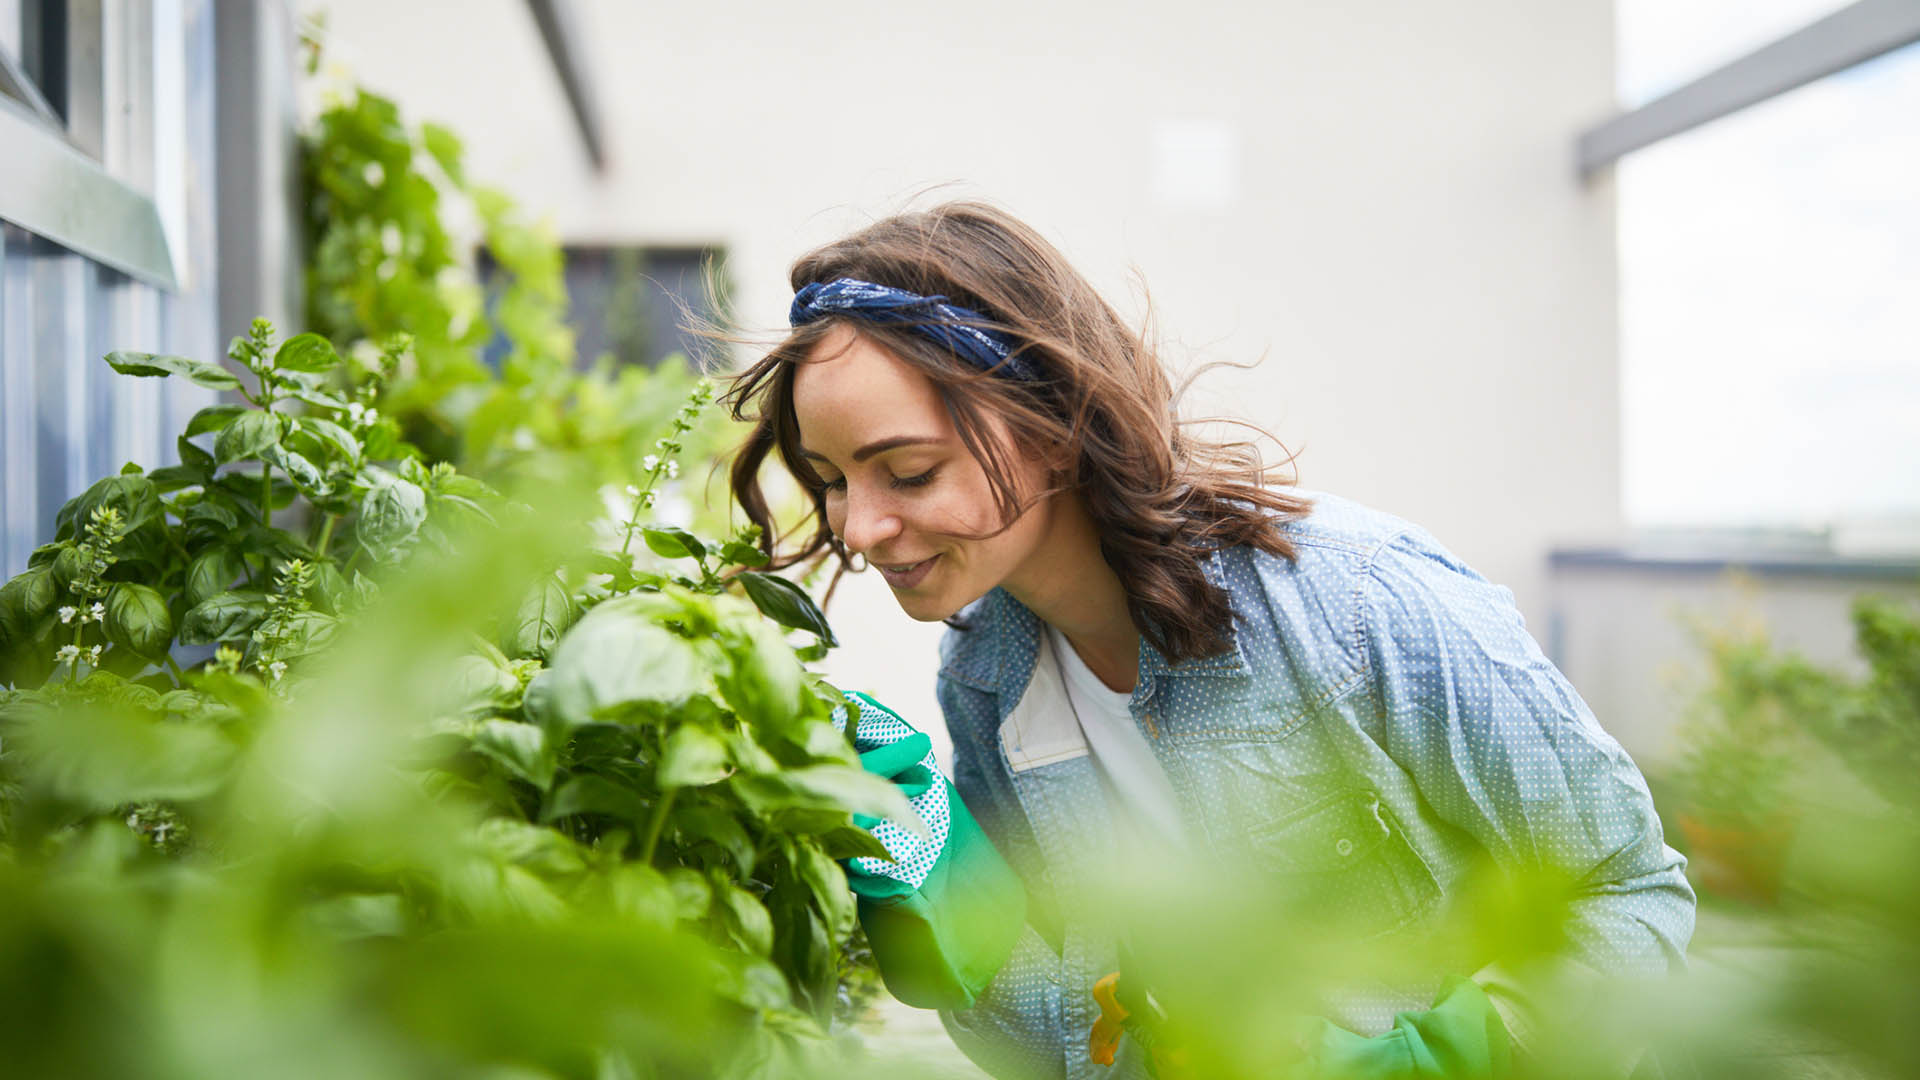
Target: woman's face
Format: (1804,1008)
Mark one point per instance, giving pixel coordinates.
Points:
(902,489)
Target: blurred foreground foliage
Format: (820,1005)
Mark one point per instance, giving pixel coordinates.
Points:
(442,779)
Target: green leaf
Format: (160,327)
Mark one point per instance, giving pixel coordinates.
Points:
(743,918)
(852,841)
(444,145)
(103,758)
(192,455)
(762,678)
(68,567)
(305,474)
(522,748)
(590,793)
(692,757)
(543,616)
(337,439)
(316,397)
(137,618)
(829,885)
(214,418)
(785,603)
(25,600)
(330,589)
(247,436)
(306,352)
(212,376)
(477,683)
(692,894)
(215,517)
(211,572)
(826,787)
(720,828)
(223,617)
(617,657)
(304,632)
(141,512)
(743,554)
(672,543)
(415,472)
(383,441)
(464,486)
(175,477)
(392,510)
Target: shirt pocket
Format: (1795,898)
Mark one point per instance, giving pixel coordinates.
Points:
(1344,865)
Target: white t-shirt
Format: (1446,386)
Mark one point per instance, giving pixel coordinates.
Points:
(1136,784)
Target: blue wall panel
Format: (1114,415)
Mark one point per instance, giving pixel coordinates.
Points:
(66,419)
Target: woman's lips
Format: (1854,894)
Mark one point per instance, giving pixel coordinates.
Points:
(910,576)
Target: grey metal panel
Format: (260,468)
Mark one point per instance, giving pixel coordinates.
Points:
(18,400)
(55,191)
(1765,564)
(560,32)
(65,418)
(257,162)
(1853,35)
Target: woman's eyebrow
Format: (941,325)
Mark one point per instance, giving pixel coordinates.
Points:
(878,446)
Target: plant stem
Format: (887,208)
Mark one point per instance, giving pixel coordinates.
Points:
(326,535)
(266,495)
(179,676)
(655,823)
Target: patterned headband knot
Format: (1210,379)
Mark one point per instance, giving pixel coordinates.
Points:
(932,317)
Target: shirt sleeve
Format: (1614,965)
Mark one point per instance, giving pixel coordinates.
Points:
(1014,1030)
(1501,746)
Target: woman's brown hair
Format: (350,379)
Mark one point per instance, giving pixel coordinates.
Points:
(1163,499)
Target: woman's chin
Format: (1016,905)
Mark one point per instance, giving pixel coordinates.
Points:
(925,609)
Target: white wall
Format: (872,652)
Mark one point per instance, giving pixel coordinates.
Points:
(1378,196)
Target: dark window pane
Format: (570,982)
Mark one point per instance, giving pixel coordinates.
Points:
(628,302)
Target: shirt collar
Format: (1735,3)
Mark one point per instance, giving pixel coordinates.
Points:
(997,651)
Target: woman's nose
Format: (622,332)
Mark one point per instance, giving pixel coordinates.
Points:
(869,520)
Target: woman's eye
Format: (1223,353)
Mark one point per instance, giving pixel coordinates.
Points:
(838,483)
(913,481)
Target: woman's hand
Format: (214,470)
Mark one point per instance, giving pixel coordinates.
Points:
(944,912)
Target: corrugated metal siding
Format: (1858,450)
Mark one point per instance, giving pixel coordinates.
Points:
(66,419)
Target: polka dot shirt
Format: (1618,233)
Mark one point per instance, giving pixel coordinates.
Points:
(1383,722)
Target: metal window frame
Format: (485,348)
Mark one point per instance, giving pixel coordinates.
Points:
(50,188)
(1847,38)
(15,84)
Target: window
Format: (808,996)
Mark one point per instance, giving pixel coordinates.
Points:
(33,56)
(1769,264)
(626,301)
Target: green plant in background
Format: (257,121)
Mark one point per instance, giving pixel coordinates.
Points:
(1797,797)
(609,747)
(383,263)
(1771,735)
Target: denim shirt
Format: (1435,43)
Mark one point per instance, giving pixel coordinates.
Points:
(1375,683)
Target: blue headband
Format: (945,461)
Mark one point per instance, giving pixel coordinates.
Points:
(955,327)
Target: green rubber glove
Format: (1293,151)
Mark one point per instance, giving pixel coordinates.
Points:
(944,914)
(1460,1038)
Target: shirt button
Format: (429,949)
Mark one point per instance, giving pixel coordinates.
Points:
(1344,847)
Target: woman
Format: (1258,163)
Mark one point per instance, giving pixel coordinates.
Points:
(1147,630)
